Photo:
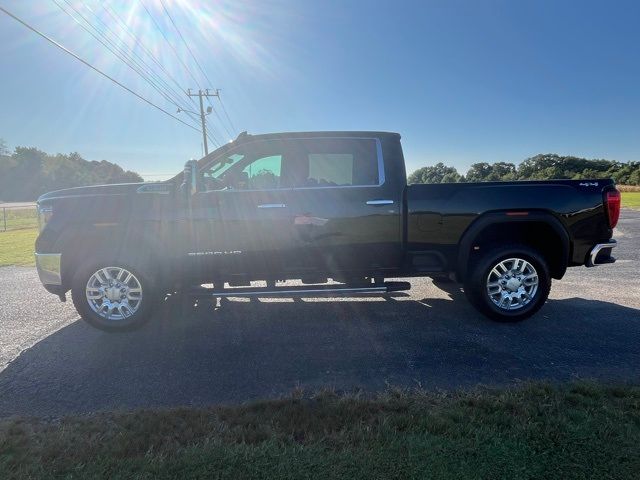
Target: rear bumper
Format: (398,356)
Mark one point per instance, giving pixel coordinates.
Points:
(48,265)
(601,254)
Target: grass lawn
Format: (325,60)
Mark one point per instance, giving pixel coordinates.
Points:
(631,199)
(17,247)
(535,431)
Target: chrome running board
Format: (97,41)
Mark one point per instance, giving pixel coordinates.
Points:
(314,291)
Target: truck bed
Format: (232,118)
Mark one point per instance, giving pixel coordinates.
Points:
(438,215)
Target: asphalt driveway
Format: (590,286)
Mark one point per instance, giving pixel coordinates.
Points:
(233,351)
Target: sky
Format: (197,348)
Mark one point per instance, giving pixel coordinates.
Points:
(461,81)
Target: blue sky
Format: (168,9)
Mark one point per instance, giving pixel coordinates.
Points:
(462,81)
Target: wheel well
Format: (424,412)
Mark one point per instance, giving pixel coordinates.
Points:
(537,234)
(89,245)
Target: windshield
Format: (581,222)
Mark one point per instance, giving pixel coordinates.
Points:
(221,165)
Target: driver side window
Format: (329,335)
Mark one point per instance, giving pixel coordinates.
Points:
(256,166)
(263,173)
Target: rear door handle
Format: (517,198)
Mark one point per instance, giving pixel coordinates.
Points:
(272,205)
(380,202)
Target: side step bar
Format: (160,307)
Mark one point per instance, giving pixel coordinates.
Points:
(314,290)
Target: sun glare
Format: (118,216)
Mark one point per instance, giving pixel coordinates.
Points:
(225,35)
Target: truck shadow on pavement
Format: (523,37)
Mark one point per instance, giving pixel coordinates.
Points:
(238,351)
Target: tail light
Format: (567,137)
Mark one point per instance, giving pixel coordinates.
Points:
(612,203)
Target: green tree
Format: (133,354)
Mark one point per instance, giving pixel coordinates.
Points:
(479,172)
(503,171)
(4,149)
(29,172)
(549,166)
(438,173)
(540,167)
(487,172)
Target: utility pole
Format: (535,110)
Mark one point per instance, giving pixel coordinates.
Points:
(200,95)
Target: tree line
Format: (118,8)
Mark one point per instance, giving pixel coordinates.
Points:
(541,167)
(27,173)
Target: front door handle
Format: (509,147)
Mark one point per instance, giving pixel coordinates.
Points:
(272,205)
(380,202)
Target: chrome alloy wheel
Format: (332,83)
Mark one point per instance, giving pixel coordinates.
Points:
(512,284)
(114,293)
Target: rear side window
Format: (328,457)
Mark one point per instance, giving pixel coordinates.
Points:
(331,168)
(331,162)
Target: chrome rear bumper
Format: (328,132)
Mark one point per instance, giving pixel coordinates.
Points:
(48,265)
(604,251)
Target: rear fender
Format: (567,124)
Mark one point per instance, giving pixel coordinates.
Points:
(496,218)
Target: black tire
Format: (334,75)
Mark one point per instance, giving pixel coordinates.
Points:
(138,318)
(476,289)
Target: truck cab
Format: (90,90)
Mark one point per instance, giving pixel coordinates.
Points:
(300,205)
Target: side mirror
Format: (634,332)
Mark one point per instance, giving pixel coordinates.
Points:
(190,178)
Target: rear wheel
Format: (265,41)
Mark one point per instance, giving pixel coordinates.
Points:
(509,283)
(113,296)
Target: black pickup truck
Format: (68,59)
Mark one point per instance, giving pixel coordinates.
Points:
(331,209)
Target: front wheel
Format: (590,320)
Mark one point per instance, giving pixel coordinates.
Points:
(113,296)
(509,283)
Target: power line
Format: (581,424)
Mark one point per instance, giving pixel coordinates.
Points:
(203,94)
(125,28)
(121,54)
(186,44)
(148,69)
(227,115)
(69,52)
(166,11)
(176,96)
(90,29)
(220,119)
(175,52)
(216,94)
(131,62)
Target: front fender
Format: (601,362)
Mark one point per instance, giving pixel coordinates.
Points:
(80,243)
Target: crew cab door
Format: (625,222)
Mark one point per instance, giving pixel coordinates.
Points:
(241,221)
(346,217)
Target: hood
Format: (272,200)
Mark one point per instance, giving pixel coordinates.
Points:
(91,191)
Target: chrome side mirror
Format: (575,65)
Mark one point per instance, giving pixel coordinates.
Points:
(190,178)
